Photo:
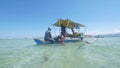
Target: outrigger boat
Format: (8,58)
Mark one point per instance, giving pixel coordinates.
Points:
(74,37)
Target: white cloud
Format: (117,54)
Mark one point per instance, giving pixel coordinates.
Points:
(116,30)
(96,32)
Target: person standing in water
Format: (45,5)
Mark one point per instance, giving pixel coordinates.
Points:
(63,33)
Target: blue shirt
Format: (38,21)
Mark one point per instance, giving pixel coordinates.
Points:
(47,35)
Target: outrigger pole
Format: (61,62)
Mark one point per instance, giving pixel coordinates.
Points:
(59,24)
(85,30)
(68,22)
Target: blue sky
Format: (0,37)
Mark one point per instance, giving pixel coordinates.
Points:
(30,18)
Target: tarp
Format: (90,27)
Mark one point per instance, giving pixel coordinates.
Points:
(68,24)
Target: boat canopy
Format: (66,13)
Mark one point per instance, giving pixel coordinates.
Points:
(68,24)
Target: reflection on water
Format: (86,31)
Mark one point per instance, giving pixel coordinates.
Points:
(102,53)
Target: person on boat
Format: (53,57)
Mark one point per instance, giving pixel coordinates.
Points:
(75,34)
(48,36)
(63,33)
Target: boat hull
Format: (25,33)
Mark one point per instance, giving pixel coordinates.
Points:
(41,42)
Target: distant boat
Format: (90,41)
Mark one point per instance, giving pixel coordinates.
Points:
(74,37)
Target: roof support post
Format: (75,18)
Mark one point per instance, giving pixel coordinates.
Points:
(68,22)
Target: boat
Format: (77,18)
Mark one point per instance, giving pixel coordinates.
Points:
(68,24)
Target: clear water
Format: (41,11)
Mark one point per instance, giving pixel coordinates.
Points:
(23,53)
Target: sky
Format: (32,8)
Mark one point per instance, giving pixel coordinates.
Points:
(31,18)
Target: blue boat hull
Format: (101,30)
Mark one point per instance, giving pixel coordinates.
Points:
(40,42)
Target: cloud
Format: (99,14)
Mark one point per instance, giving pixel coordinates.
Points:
(116,30)
(96,32)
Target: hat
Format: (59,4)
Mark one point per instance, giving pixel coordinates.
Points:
(49,28)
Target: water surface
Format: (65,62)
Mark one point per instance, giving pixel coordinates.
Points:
(23,53)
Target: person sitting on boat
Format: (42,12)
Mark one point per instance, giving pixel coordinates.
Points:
(76,34)
(48,36)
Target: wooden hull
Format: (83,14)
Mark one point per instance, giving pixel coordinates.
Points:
(41,42)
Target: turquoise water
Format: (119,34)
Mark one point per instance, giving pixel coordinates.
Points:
(23,53)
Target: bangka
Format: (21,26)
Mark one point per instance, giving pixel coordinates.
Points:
(76,36)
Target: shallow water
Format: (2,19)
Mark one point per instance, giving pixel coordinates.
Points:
(23,53)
